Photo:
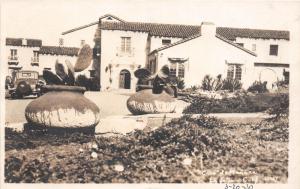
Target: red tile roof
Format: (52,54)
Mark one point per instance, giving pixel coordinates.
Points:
(233,33)
(56,50)
(184,31)
(18,42)
(154,29)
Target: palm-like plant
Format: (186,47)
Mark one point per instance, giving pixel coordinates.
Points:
(65,72)
(160,80)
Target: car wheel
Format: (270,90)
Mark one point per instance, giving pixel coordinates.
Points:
(23,88)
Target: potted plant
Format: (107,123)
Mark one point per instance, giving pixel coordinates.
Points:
(158,99)
(63,106)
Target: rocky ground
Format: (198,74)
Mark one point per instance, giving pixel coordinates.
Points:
(189,150)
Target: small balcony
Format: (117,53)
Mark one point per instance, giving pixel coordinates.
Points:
(128,53)
(35,61)
(13,60)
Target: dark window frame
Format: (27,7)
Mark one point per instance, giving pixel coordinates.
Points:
(166,41)
(240,44)
(273,50)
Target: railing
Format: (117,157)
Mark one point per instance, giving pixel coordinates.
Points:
(13,58)
(128,53)
(34,61)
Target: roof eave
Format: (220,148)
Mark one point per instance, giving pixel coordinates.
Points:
(235,45)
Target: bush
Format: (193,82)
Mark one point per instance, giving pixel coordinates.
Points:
(231,84)
(258,87)
(281,107)
(211,84)
(176,81)
(240,104)
(91,84)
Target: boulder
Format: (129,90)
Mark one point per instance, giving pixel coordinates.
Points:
(147,102)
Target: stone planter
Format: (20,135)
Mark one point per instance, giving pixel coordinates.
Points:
(62,109)
(145,102)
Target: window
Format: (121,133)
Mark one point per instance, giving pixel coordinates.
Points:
(253,47)
(82,42)
(126,44)
(61,42)
(234,71)
(238,72)
(274,50)
(230,71)
(240,44)
(173,69)
(166,41)
(36,56)
(180,70)
(177,70)
(13,54)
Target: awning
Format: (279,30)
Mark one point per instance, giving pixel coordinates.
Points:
(15,67)
(178,60)
(266,64)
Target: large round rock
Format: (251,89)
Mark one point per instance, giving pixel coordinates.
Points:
(145,102)
(62,107)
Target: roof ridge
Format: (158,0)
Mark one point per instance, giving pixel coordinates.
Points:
(152,23)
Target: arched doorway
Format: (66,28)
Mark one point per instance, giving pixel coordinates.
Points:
(269,76)
(124,80)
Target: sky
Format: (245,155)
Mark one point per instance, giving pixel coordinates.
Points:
(47,19)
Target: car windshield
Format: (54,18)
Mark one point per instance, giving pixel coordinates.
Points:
(29,75)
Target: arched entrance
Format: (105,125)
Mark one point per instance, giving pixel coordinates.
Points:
(124,80)
(268,75)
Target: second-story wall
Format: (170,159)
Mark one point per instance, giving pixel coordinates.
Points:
(156,41)
(113,58)
(262,48)
(23,57)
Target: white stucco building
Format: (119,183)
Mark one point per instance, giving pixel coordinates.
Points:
(30,54)
(191,51)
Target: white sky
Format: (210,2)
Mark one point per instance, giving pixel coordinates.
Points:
(45,19)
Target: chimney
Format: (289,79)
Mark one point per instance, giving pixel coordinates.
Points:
(61,42)
(24,42)
(208,29)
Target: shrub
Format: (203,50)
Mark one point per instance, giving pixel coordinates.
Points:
(258,87)
(176,81)
(207,83)
(216,84)
(240,104)
(89,83)
(211,84)
(231,84)
(281,107)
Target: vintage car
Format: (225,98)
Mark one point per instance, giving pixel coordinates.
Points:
(24,83)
